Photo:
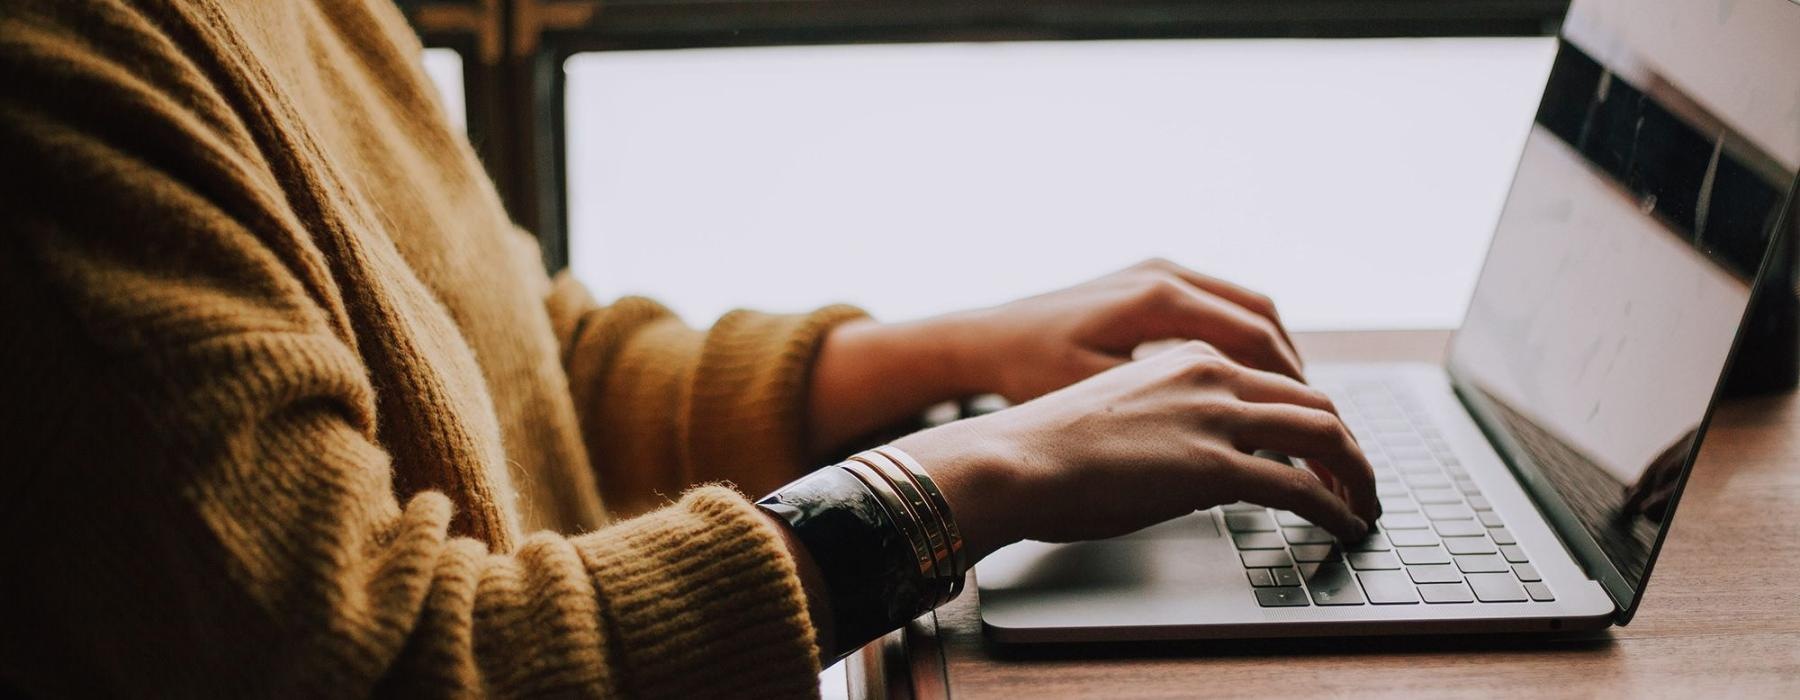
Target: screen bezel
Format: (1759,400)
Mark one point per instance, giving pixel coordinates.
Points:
(1625,594)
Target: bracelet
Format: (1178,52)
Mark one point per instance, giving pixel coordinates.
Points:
(882,536)
(917,510)
(959,555)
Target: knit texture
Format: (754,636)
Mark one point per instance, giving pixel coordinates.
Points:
(285,390)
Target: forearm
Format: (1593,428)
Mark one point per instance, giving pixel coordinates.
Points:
(870,375)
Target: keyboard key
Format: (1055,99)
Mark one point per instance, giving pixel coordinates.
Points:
(1388,587)
(1315,553)
(1398,504)
(1400,440)
(1265,558)
(1390,488)
(1258,540)
(1241,506)
(1443,593)
(1497,588)
(1469,545)
(1428,497)
(1417,465)
(1391,425)
(1260,578)
(1434,573)
(1332,584)
(1248,521)
(1513,553)
(1490,518)
(1459,528)
(1502,536)
(1480,503)
(1426,480)
(1539,592)
(1288,519)
(1452,511)
(1412,452)
(1285,576)
(1412,538)
(1284,597)
(1423,555)
(1307,535)
(1370,561)
(1375,542)
(1526,572)
(1481,564)
(1403,521)
(1468,487)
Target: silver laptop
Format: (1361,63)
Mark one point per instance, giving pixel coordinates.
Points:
(1528,484)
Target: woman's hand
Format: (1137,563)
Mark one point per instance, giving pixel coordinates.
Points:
(1145,442)
(1027,348)
(871,374)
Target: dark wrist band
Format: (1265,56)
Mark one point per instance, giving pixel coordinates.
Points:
(870,567)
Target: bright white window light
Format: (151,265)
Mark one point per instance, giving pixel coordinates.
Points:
(1356,181)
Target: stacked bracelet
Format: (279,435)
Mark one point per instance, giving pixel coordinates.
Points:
(883,537)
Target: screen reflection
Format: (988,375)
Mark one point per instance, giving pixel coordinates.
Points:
(1650,186)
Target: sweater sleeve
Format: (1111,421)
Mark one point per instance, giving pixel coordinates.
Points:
(663,405)
(194,497)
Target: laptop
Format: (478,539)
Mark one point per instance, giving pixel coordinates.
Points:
(1527,483)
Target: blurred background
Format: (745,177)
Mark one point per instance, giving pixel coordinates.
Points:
(1347,157)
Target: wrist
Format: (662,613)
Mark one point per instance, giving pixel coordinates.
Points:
(976,469)
(964,352)
(870,375)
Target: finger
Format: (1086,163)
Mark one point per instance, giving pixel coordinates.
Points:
(1251,340)
(1268,387)
(1277,485)
(1251,301)
(1320,440)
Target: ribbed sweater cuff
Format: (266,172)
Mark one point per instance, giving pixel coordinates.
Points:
(703,600)
(748,412)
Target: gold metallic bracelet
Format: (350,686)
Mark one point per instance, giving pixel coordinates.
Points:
(923,514)
(958,551)
(911,527)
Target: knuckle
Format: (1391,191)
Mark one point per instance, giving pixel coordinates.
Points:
(1197,350)
(1261,304)
(1323,402)
(1323,426)
(1161,291)
(1268,336)
(1155,262)
(1296,487)
(1208,368)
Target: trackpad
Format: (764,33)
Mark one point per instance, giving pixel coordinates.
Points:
(1176,552)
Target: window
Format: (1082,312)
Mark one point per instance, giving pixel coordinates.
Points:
(1357,181)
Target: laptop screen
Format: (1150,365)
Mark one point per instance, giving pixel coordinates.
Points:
(1653,180)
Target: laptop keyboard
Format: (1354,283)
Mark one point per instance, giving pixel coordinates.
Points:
(1438,542)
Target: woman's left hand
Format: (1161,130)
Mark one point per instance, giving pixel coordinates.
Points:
(871,374)
(1034,346)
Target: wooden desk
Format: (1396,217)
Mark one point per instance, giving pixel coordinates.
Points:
(1721,617)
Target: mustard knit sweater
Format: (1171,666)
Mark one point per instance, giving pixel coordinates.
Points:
(291,408)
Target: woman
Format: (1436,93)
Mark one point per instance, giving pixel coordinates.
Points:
(291,407)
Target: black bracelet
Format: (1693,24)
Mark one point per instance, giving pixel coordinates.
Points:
(870,567)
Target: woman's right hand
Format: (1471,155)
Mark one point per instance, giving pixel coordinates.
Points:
(1146,442)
